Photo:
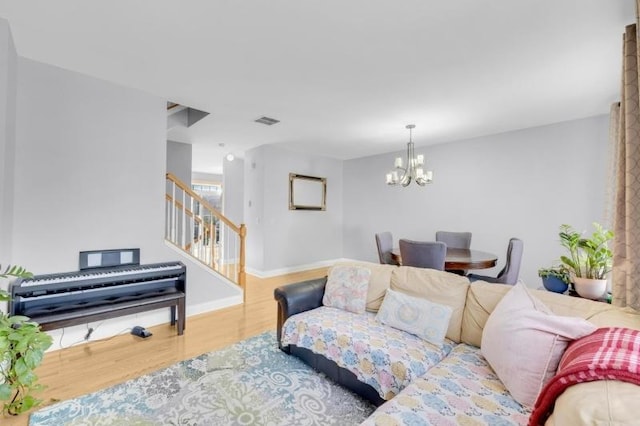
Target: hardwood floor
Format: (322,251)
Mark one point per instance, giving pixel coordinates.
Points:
(79,370)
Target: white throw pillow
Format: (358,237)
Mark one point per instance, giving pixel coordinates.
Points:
(415,315)
(346,288)
(523,342)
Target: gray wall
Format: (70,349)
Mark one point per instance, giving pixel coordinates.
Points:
(90,161)
(90,166)
(519,184)
(179,164)
(179,161)
(8,65)
(233,190)
(280,239)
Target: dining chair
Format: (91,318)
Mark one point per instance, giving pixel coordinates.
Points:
(454,239)
(384,241)
(423,254)
(508,274)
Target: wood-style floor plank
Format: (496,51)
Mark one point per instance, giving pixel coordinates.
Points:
(86,368)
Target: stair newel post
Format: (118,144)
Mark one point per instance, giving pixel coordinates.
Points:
(242,278)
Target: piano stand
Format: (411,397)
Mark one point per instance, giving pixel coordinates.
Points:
(95,294)
(176,301)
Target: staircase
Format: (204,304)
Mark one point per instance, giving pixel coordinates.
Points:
(203,233)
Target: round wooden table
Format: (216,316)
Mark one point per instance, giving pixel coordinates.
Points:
(460,259)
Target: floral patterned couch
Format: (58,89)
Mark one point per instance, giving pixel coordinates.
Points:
(416,382)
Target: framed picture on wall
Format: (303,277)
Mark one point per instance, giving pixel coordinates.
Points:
(307,192)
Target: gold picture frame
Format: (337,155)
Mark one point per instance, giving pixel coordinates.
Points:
(307,192)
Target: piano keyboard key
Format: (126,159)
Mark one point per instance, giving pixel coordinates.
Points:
(61,278)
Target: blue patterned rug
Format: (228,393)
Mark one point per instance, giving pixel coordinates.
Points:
(249,383)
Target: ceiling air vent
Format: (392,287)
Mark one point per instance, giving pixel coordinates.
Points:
(267,120)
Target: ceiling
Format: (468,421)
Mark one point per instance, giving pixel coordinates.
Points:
(344,77)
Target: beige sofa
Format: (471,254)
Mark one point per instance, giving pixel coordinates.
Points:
(453,384)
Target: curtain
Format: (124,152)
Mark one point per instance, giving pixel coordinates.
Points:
(626,221)
(612,166)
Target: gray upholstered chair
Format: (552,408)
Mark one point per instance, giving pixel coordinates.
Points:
(384,241)
(460,240)
(511,270)
(454,239)
(423,254)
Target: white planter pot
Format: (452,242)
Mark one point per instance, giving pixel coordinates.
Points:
(590,288)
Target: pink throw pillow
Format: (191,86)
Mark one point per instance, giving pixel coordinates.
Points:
(523,342)
(347,288)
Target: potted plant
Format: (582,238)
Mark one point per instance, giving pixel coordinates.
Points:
(555,279)
(589,260)
(22,347)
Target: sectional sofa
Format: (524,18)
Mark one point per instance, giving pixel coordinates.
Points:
(468,359)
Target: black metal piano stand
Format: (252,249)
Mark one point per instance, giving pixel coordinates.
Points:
(73,298)
(175,301)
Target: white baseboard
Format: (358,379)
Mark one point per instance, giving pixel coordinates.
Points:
(292,269)
(214,305)
(73,336)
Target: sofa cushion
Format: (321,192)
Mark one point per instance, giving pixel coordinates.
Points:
(440,287)
(415,315)
(483,297)
(523,342)
(383,357)
(619,317)
(460,390)
(604,402)
(346,288)
(378,282)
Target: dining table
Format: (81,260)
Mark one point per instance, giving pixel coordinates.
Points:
(458,259)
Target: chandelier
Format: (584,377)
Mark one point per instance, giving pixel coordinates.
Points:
(414,169)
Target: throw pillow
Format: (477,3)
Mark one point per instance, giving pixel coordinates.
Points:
(346,288)
(378,282)
(436,286)
(415,315)
(523,342)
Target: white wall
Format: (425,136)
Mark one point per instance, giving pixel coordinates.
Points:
(206,177)
(90,166)
(233,190)
(8,64)
(281,240)
(254,199)
(520,184)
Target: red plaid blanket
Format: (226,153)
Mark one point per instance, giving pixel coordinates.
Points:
(607,354)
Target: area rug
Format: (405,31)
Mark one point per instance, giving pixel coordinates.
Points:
(249,383)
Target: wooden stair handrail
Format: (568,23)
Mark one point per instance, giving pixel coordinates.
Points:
(187,211)
(240,230)
(203,202)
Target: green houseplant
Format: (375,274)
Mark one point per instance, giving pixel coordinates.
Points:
(22,347)
(555,278)
(589,259)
